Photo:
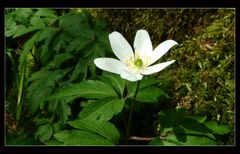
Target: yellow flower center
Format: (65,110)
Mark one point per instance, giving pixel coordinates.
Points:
(137,63)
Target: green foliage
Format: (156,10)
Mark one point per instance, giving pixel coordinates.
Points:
(88,89)
(103,109)
(54,63)
(70,102)
(20,140)
(79,137)
(103,128)
(177,128)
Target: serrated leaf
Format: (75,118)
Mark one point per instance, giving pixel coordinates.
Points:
(14,31)
(217,129)
(103,128)
(37,22)
(63,111)
(190,140)
(81,67)
(87,16)
(181,131)
(191,124)
(158,141)
(115,81)
(43,83)
(200,119)
(27,47)
(38,91)
(100,25)
(62,136)
(171,117)
(150,94)
(45,13)
(41,121)
(78,44)
(145,82)
(87,89)
(88,50)
(52,105)
(23,14)
(45,132)
(58,60)
(103,109)
(61,41)
(76,25)
(78,137)
(47,34)
(25,31)
(53,142)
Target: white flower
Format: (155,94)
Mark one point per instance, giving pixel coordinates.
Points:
(133,65)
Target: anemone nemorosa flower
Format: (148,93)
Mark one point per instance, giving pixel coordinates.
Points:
(133,65)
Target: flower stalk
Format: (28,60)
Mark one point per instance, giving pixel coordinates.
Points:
(131,112)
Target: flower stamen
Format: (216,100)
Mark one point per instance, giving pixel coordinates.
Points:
(138,63)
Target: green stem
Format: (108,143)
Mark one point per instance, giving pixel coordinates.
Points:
(19,100)
(131,112)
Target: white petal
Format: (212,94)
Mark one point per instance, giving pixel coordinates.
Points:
(120,46)
(131,76)
(110,65)
(142,43)
(156,68)
(161,49)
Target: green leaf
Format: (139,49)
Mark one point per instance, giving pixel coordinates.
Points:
(217,129)
(158,141)
(78,44)
(25,31)
(38,91)
(58,60)
(103,128)
(78,137)
(20,139)
(145,82)
(150,94)
(43,83)
(91,48)
(115,81)
(63,111)
(53,142)
(81,67)
(45,132)
(75,25)
(191,124)
(184,131)
(61,41)
(37,22)
(47,34)
(27,47)
(62,136)
(22,15)
(199,119)
(100,25)
(45,13)
(171,117)
(103,109)
(190,140)
(16,31)
(41,121)
(87,89)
